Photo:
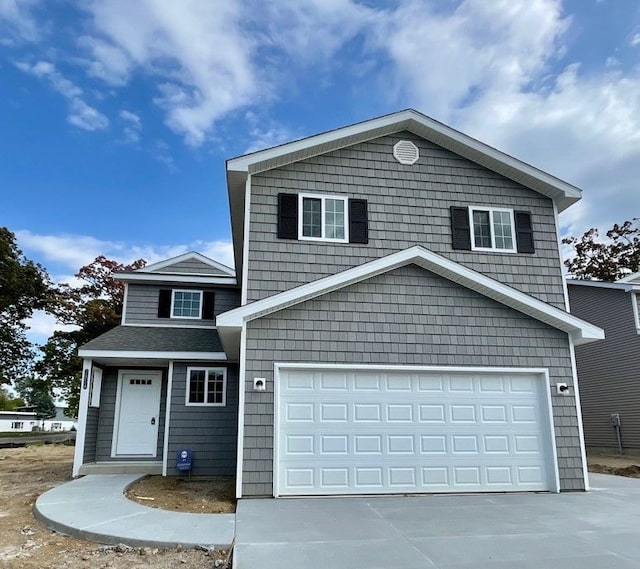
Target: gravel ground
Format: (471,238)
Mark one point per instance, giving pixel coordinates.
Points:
(25,543)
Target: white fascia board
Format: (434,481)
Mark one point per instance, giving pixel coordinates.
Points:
(423,126)
(599,284)
(184,278)
(191,255)
(152,355)
(630,278)
(581,331)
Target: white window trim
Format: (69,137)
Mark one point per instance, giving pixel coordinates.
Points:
(323,199)
(493,248)
(96,387)
(205,404)
(636,314)
(173,299)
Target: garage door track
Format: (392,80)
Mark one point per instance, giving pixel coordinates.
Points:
(594,530)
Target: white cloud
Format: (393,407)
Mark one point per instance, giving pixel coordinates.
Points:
(70,252)
(198,48)
(41,325)
(635,40)
(132,127)
(80,114)
(441,60)
(18,22)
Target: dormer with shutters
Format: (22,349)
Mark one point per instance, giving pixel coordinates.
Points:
(186,291)
(333,201)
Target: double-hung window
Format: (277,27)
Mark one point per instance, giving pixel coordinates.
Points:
(206,386)
(186,304)
(492,229)
(323,218)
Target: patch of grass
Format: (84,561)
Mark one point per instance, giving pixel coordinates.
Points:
(11,435)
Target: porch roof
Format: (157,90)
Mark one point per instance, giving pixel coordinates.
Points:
(155,343)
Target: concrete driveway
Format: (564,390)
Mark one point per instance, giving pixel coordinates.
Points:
(595,530)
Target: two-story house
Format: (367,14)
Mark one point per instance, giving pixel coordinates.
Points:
(401,326)
(609,370)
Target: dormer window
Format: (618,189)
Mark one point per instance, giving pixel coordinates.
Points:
(186,304)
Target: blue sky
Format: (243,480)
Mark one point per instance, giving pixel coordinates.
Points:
(117,116)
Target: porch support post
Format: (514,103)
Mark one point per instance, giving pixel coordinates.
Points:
(167,418)
(83,407)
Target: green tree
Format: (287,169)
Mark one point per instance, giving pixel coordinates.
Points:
(24,287)
(605,260)
(8,402)
(37,391)
(94,308)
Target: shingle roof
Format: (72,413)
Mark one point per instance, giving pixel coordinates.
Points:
(156,339)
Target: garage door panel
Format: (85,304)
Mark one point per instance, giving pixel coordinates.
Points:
(364,432)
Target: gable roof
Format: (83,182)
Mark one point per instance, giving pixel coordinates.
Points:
(165,266)
(168,271)
(238,169)
(581,332)
(633,278)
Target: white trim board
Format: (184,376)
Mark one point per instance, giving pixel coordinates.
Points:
(618,285)
(560,191)
(581,331)
(83,409)
(198,356)
(183,279)
(167,421)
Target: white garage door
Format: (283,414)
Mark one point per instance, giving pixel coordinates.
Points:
(371,432)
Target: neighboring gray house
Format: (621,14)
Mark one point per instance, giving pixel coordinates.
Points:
(609,371)
(399,326)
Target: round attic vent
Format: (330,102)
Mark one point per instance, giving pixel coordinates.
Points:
(406,152)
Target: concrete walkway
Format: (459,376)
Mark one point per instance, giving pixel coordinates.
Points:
(592,530)
(95,508)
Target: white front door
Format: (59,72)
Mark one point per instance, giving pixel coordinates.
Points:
(368,432)
(135,431)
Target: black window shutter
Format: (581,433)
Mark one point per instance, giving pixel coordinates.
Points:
(208,302)
(460,230)
(164,303)
(358,221)
(287,216)
(524,232)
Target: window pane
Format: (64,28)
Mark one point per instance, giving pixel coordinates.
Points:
(334,219)
(502,230)
(196,386)
(215,387)
(186,304)
(311,217)
(481,229)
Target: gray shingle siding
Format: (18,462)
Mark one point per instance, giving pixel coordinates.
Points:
(90,435)
(191,266)
(609,370)
(106,415)
(408,205)
(405,317)
(142,304)
(210,432)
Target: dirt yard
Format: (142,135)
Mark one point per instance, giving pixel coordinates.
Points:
(25,543)
(620,465)
(195,495)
